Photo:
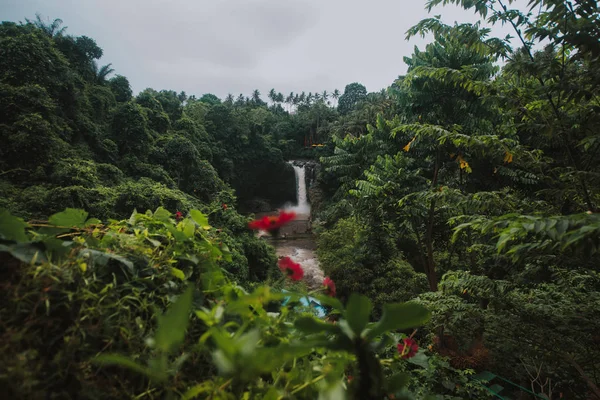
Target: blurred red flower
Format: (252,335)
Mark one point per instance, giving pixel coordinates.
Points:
(272,223)
(329,286)
(178,215)
(224,206)
(408,348)
(291,269)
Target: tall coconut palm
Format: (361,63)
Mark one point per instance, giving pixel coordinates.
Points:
(336,95)
(325,95)
(302,97)
(273,95)
(256,97)
(291,100)
(240,100)
(182,97)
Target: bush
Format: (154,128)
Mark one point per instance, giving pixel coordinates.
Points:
(75,172)
(353,256)
(84,319)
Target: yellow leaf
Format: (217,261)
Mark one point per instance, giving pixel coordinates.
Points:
(407,147)
(464,164)
(508,157)
(83,266)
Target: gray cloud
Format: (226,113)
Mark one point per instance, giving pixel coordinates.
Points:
(233,46)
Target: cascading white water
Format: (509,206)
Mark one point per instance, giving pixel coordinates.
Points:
(302,207)
(299,245)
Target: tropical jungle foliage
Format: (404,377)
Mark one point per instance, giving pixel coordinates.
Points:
(457,223)
(484,179)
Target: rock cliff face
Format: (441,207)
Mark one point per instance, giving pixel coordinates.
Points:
(267,189)
(316,194)
(280,188)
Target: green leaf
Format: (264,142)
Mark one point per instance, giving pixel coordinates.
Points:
(101,258)
(154,242)
(162,215)
(26,252)
(189,228)
(420,359)
(399,316)
(310,325)
(122,361)
(397,382)
(11,227)
(226,252)
(58,248)
(177,273)
(331,302)
(71,218)
(562,226)
(173,323)
(358,310)
(272,394)
(92,221)
(200,218)
(198,389)
(223,363)
(333,392)
(177,234)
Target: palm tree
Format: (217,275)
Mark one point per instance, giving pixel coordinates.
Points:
(273,95)
(280,98)
(309,98)
(229,99)
(240,100)
(101,74)
(336,95)
(325,95)
(256,97)
(317,97)
(302,97)
(182,96)
(51,29)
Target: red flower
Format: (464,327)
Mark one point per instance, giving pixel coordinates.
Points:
(408,348)
(178,215)
(292,269)
(224,206)
(272,223)
(329,286)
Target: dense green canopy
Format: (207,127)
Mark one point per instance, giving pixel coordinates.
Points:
(469,188)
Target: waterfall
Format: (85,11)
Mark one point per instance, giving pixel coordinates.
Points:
(302,206)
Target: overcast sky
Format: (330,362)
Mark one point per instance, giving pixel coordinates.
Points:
(235,46)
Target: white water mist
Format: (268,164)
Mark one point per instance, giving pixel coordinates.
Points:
(302,206)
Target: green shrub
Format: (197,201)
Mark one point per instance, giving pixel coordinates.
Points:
(353,256)
(82,317)
(75,172)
